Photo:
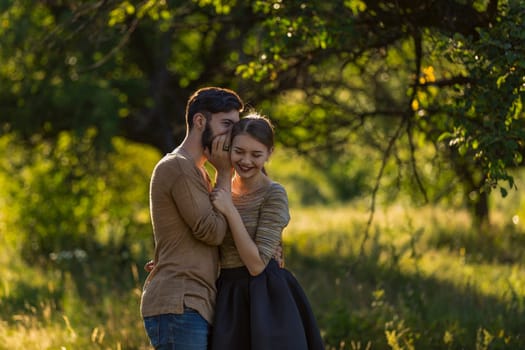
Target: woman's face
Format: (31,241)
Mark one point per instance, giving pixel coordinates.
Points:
(248,155)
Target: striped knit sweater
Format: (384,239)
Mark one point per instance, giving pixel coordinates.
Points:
(265,214)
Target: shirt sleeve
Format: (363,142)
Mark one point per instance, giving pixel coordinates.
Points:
(273,218)
(190,194)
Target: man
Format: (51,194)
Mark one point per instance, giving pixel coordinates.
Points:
(179,294)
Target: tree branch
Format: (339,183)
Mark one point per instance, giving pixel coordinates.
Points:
(384,161)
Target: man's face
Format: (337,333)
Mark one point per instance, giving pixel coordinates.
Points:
(218,124)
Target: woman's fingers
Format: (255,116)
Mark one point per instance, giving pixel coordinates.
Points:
(219,143)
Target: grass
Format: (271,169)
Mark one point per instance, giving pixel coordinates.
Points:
(426,281)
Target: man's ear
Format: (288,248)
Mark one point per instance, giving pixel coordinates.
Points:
(199,120)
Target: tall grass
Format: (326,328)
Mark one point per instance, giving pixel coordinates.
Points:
(425,281)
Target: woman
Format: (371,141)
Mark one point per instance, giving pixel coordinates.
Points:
(260,306)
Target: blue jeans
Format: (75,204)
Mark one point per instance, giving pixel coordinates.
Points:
(187,331)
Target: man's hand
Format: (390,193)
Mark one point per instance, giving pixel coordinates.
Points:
(219,157)
(278,255)
(219,153)
(149,266)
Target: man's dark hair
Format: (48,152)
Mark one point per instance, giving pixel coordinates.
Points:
(211,100)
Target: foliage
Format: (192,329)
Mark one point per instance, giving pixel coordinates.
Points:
(482,73)
(455,84)
(308,184)
(121,67)
(494,132)
(447,74)
(67,201)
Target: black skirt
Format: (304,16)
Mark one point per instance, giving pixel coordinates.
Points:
(266,312)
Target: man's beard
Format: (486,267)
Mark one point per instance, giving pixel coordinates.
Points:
(207,137)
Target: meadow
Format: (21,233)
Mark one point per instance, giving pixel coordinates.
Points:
(425,281)
(421,278)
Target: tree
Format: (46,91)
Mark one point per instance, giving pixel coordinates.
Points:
(400,74)
(451,72)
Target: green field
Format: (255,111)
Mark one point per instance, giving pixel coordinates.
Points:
(424,281)
(420,277)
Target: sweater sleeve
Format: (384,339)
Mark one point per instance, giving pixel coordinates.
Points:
(190,194)
(274,217)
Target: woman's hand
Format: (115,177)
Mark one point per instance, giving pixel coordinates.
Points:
(222,200)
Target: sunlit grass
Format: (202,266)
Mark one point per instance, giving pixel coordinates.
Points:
(426,265)
(42,309)
(425,277)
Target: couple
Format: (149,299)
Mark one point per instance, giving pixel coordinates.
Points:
(251,301)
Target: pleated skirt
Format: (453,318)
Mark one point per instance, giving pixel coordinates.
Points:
(266,312)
